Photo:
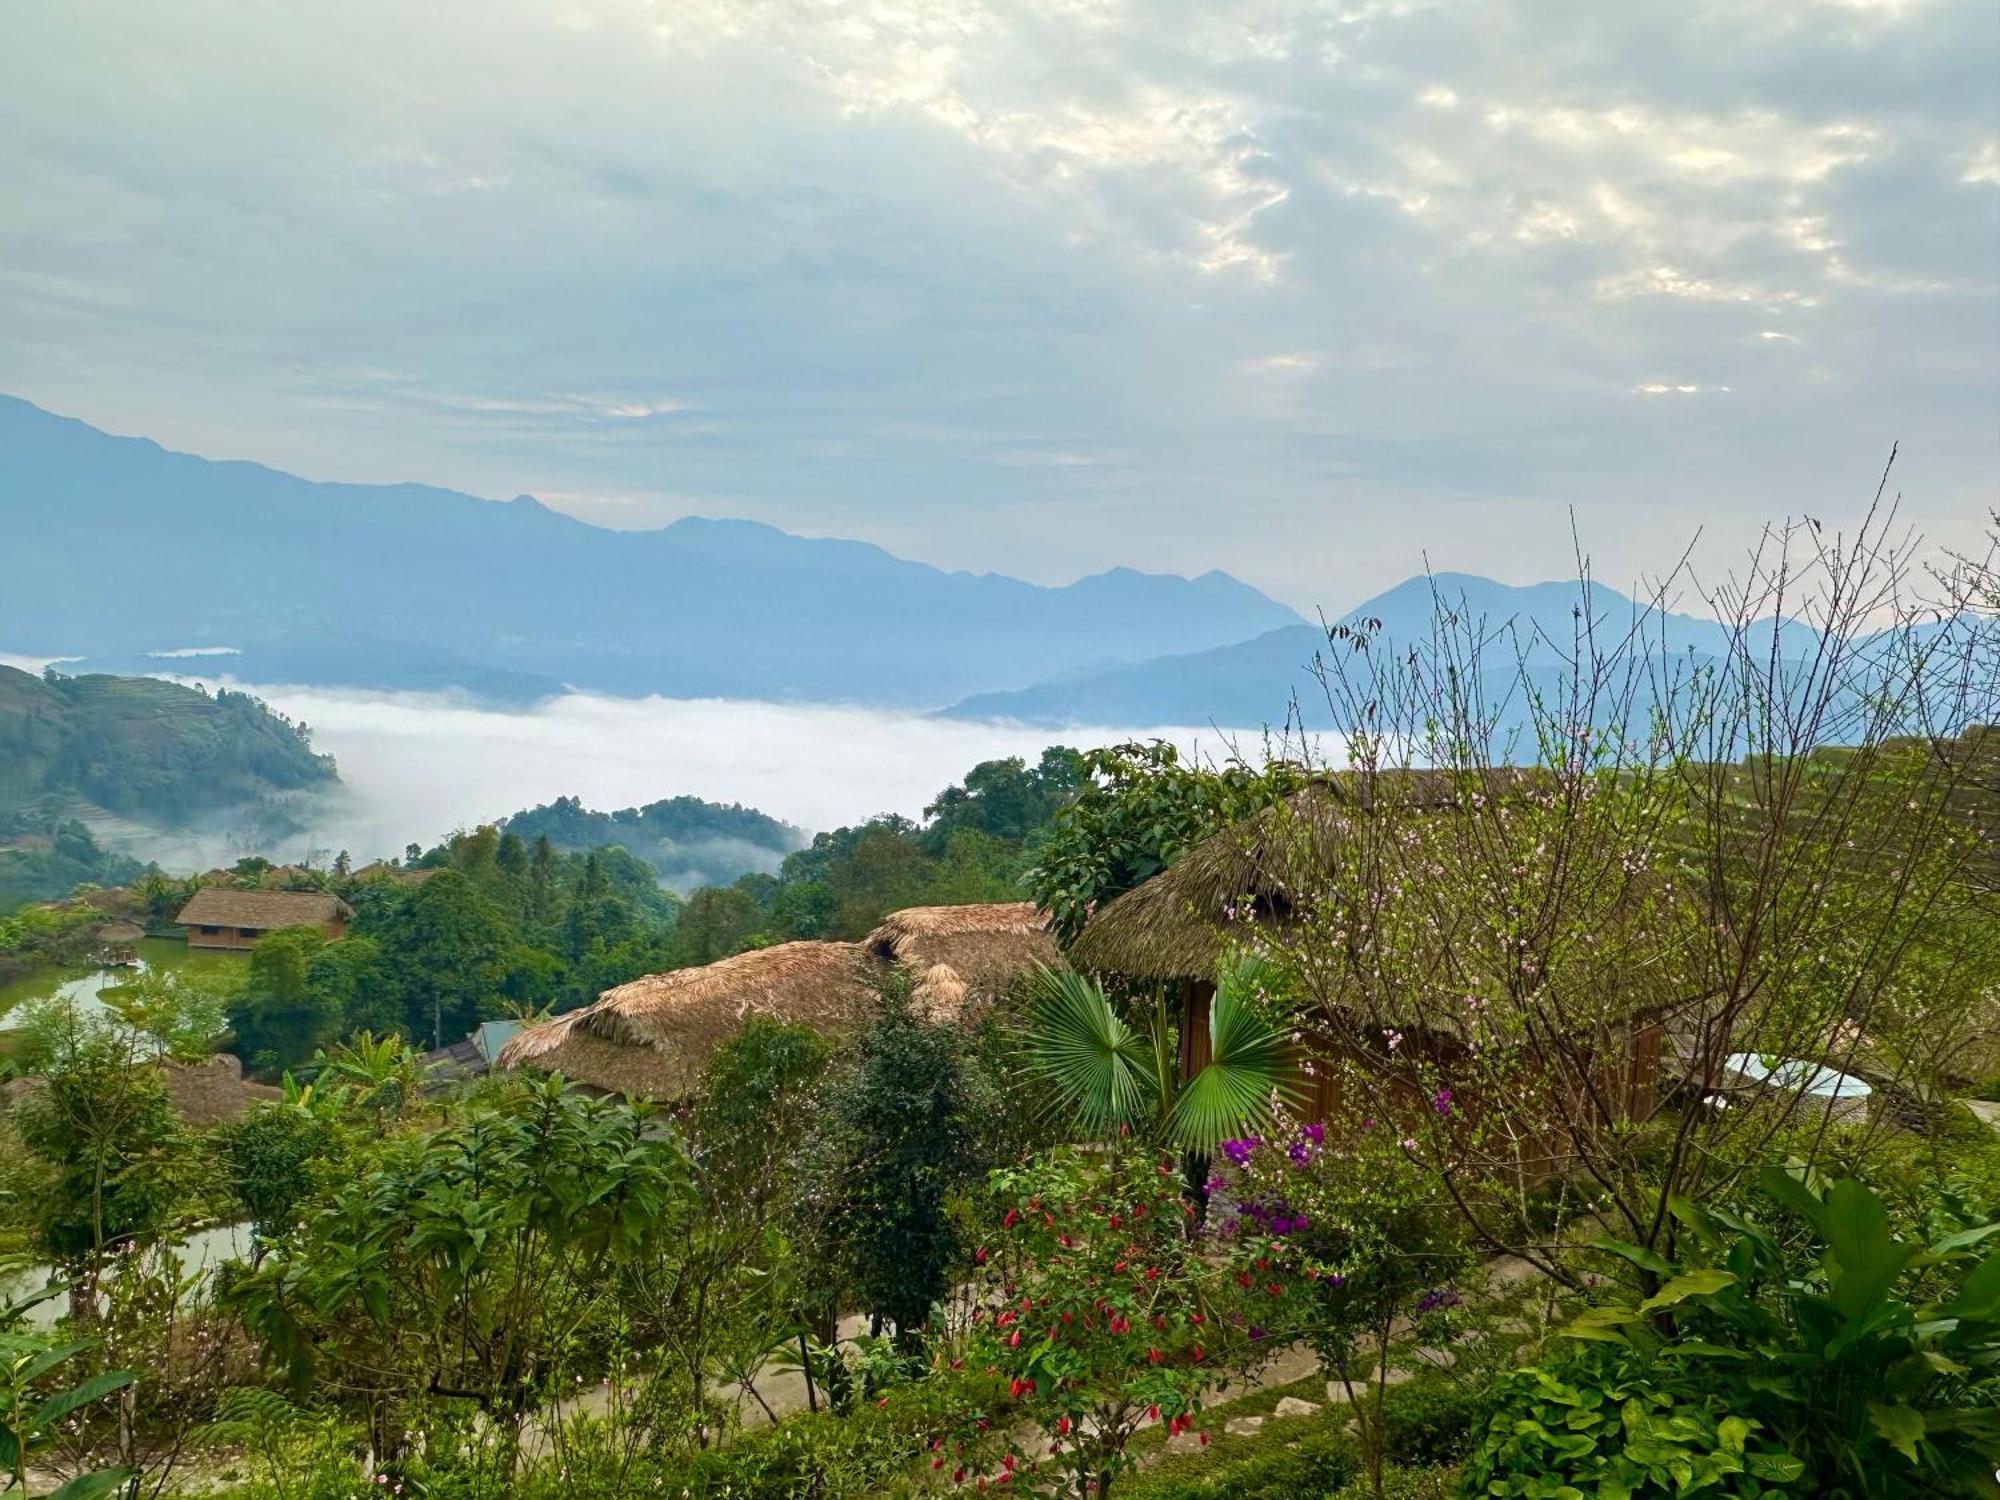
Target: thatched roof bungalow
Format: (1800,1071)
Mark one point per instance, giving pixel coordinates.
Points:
(959,956)
(1172,930)
(652,1037)
(218,917)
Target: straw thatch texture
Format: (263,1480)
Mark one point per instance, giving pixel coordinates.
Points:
(120,934)
(652,1037)
(214,1090)
(959,954)
(1176,925)
(210,1092)
(215,906)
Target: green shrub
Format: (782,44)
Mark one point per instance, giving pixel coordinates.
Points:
(1832,1354)
(1401,1483)
(1273,1466)
(1436,1421)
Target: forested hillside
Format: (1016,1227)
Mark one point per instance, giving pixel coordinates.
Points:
(688,841)
(145,749)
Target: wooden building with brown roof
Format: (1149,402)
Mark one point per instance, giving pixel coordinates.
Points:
(219,917)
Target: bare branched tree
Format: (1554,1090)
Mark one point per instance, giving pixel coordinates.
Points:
(1563,891)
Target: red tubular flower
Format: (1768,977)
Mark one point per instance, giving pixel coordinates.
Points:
(1152,1356)
(1007,1220)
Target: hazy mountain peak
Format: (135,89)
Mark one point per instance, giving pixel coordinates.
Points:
(409,585)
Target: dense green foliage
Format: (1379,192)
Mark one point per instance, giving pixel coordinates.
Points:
(147,749)
(1832,1352)
(1135,809)
(688,841)
(975,843)
(44,856)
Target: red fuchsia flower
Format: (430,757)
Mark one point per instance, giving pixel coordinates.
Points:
(1114,1221)
(1004,1319)
(979,1256)
(958,1476)
(1274,1289)
(1014,1339)
(1153,1413)
(1008,1219)
(1196,1319)
(1152,1356)
(1196,1353)
(1204,1438)
(1062,1426)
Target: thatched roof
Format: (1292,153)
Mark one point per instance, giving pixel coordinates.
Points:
(652,1037)
(210,1092)
(214,1090)
(213,906)
(1177,924)
(957,953)
(120,933)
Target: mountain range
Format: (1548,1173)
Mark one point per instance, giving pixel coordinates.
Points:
(141,560)
(118,548)
(1260,681)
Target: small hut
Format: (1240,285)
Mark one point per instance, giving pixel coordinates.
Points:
(118,943)
(1172,931)
(217,917)
(959,957)
(651,1038)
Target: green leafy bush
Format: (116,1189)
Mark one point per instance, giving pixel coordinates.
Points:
(1845,1359)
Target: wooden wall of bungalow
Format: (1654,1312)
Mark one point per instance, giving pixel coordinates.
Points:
(1624,1084)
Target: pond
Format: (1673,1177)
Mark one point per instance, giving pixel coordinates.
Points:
(82,983)
(200,1252)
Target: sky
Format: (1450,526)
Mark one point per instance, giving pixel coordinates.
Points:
(1313,293)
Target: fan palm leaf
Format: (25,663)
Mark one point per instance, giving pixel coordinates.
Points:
(1099,1068)
(1251,1064)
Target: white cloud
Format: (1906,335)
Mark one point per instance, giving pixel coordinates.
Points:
(1027,285)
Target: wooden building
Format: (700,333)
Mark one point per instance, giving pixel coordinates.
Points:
(221,917)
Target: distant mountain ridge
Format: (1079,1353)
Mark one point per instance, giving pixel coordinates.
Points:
(1253,683)
(117,547)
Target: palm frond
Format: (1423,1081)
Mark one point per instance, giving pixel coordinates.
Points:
(1075,1041)
(1251,1062)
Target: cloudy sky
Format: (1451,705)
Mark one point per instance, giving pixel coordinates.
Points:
(1304,291)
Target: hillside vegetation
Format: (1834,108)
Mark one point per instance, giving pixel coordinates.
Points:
(145,749)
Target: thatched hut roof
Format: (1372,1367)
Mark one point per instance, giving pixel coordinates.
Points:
(955,954)
(652,1037)
(214,1090)
(210,1092)
(1177,924)
(214,906)
(120,933)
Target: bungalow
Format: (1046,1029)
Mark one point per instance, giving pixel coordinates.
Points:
(1169,934)
(651,1038)
(219,917)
